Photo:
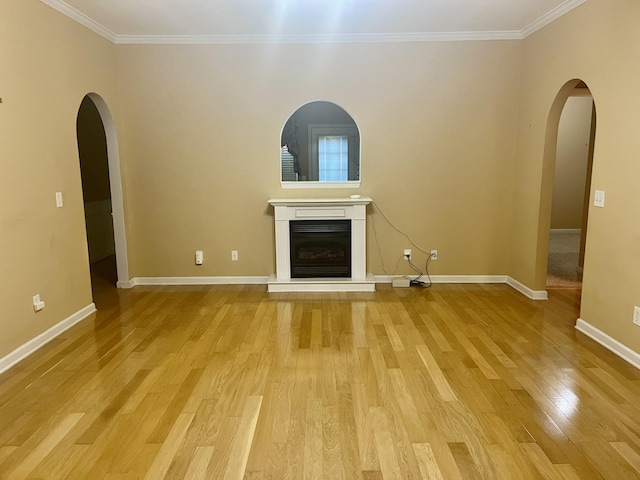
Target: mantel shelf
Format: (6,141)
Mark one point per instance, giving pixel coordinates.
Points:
(319,202)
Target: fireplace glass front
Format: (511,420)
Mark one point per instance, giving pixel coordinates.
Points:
(320,248)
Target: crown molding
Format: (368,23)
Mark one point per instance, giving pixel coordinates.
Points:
(551,16)
(103,31)
(82,19)
(317,39)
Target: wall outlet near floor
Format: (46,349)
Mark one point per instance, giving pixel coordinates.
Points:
(407,254)
(434,254)
(636,316)
(234,255)
(199,257)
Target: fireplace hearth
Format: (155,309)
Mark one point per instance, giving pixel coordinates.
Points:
(320,248)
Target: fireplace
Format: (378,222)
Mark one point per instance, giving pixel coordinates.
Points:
(321,245)
(320,248)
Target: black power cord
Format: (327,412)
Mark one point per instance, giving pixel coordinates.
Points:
(416,282)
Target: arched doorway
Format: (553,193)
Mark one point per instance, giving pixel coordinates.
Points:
(566,186)
(572,182)
(102,190)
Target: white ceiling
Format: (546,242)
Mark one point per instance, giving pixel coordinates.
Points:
(181,21)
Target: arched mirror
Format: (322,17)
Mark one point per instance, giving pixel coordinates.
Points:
(320,147)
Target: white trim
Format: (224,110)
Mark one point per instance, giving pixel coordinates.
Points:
(369,280)
(38,342)
(314,184)
(103,31)
(516,285)
(125,284)
(469,279)
(318,38)
(82,19)
(276,285)
(115,184)
(609,343)
(197,281)
(550,17)
(526,291)
(448,278)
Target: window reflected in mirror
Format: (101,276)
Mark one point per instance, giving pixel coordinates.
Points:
(320,143)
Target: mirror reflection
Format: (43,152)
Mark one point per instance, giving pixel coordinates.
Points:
(320,143)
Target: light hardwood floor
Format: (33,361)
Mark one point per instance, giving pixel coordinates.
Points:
(455,382)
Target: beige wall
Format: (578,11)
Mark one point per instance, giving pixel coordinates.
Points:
(598,43)
(453,149)
(49,63)
(201,132)
(572,158)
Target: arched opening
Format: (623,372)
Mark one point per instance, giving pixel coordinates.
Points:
(566,186)
(102,192)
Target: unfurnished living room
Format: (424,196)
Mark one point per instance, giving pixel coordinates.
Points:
(281,239)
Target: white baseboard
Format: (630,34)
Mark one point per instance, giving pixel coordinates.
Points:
(259,280)
(526,291)
(197,281)
(125,284)
(447,278)
(38,342)
(609,343)
(516,285)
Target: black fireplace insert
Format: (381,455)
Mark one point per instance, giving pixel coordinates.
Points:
(320,248)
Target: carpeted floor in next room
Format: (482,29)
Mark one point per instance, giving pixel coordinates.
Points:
(562,270)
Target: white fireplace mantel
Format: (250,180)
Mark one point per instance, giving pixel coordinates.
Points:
(291,209)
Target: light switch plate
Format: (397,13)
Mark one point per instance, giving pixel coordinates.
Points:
(59,199)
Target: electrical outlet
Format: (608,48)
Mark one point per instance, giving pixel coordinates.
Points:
(407,254)
(636,316)
(434,254)
(598,198)
(234,255)
(199,257)
(37,303)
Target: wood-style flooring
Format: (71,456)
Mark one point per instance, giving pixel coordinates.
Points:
(453,382)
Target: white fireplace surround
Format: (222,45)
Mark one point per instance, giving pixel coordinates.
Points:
(354,209)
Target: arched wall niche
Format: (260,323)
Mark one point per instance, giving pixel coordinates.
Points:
(312,129)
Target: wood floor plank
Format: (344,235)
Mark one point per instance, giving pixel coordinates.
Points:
(197,469)
(628,453)
(428,465)
(45,447)
(452,382)
(243,439)
(169,448)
